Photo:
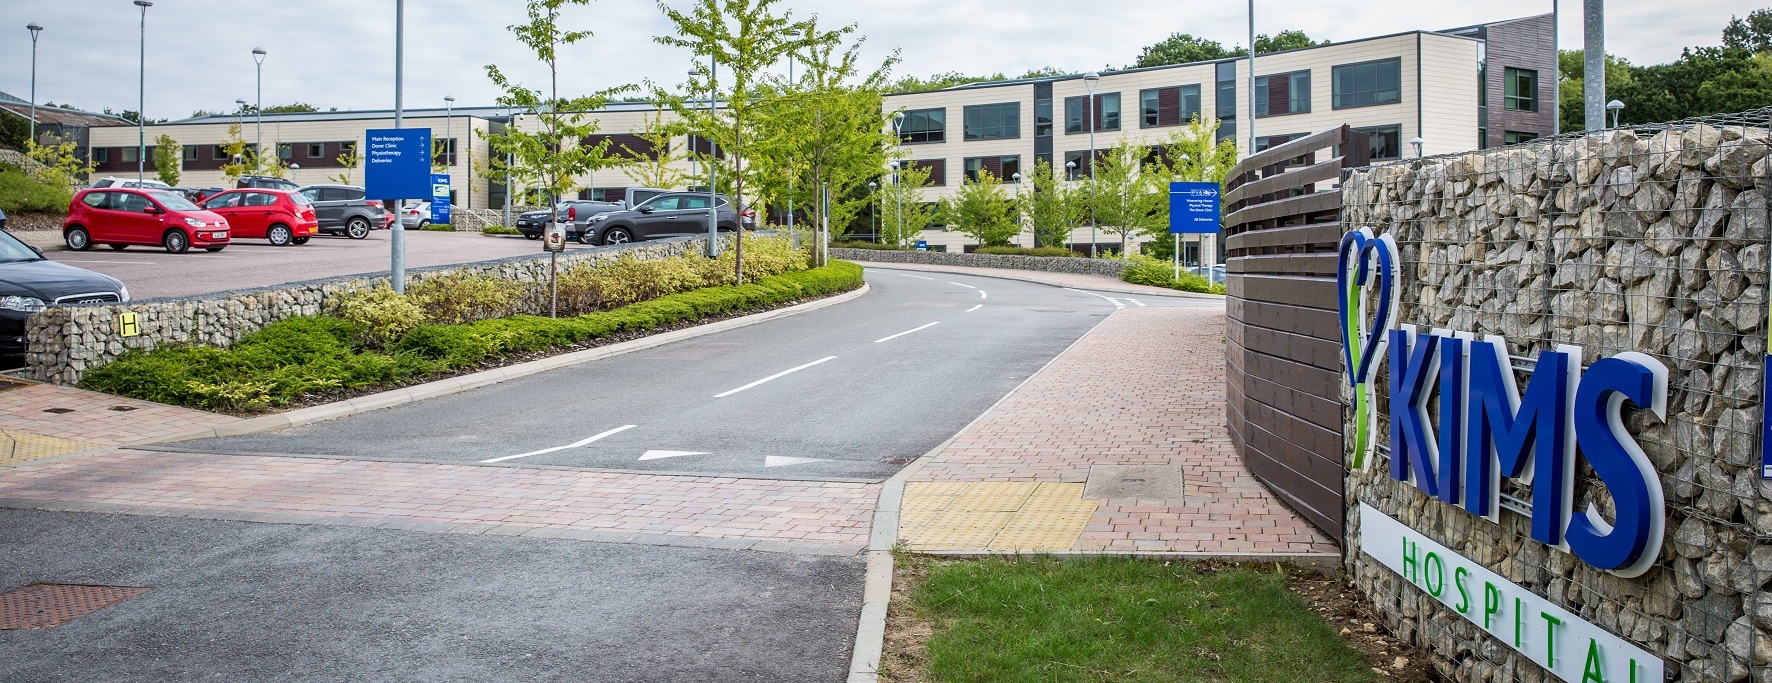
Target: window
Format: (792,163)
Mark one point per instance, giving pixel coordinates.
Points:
(1515,137)
(1003,168)
(1266,141)
(1227,130)
(190,153)
(316,150)
(1367,84)
(348,148)
(1521,90)
(224,201)
(993,121)
(259,199)
(696,201)
(937,168)
(1281,94)
(1170,106)
(129,153)
(285,151)
(444,152)
(97,200)
(923,125)
(1106,111)
(1386,142)
(220,152)
(101,155)
(1042,118)
(1227,91)
(1076,164)
(666,202)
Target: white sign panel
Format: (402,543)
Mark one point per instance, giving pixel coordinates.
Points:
(1572,649)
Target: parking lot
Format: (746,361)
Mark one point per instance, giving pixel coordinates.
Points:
(150,272)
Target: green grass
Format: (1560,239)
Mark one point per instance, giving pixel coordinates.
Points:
(1123,620)
(1144,270)
(287,360)
(19,194)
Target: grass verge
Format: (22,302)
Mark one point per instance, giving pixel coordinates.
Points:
(319,354)
(1107,619)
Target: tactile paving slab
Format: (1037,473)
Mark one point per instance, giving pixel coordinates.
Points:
(993,516)
(47,605)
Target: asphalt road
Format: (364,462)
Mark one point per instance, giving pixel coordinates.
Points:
(244,264)
(853,391)
(236,601)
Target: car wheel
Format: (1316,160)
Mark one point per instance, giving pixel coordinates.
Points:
(176,242)
(584,236)
(299,240)
(278,235)
(118,247)
(213,249)
(617,236)
(528,236)
(357,228)
(78,239)
(421,224)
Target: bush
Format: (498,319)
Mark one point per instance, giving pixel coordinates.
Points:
(19,194)
(459,297)
(438,227)
(1024,251)
(289,359)
(1144,270)
(585,288)
(380,315)
(863,245)
(500,230)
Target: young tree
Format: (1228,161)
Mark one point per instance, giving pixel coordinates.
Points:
(655,167)
(1124,198)
(240,158)
(168,158)
(982,210)
(1189,155)
(903,213)
(58,164)
(350,159)
(553,157)
(1051,208)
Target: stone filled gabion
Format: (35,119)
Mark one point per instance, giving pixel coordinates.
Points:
(1624,241)
(64,342)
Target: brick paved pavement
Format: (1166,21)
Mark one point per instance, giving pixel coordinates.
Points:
(93,417)
(1146,387)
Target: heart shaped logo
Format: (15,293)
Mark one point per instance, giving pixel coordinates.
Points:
(1366,261)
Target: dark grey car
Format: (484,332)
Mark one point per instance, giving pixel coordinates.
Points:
(343,210)
(673,214)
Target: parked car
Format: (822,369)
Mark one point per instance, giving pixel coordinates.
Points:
(276,216)
(635,196)
(265,182)
(129,182)
(415,215)
(119,217)
(205,193)
(533,223)
(577,215)
(673,214)
(343,210)
(30,283)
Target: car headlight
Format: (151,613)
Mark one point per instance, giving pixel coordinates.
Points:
(599,218)
(27,304)
(123,292)
(195,223)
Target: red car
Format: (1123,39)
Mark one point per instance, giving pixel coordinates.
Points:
(281,217)
(118,217)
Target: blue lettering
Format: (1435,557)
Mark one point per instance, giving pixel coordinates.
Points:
(1620,464)
(1412,373)
(1452,416)
(1503,426)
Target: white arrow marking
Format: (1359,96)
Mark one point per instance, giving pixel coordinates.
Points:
(656,455)
(783,461)
(575,444)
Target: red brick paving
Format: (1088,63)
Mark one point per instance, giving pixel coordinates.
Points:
(92,420)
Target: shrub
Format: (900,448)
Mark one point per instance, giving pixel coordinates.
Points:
(459,297)
(438,227)
(1024,251)
(20,193)
(1144,270)
(500,230)
(380,315)
(863,245)
(585,288)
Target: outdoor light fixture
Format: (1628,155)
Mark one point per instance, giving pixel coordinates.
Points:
(1418,143)
(793,33)
(1089,81)
(449,130)
(35,29)
(1616,107)
(258,134)
(141,94)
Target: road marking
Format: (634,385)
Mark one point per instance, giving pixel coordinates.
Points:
(657,455)
(925,327)
(983,295)
(951,282)
(1137,303)
(974,308)
(778,375)
(784,461)
(114,263)
(1111,300)
(575,444)
(919,277)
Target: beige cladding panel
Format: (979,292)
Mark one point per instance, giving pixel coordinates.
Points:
(1449,94)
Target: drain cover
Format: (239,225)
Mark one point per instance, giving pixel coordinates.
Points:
(122,409)
(58,411)
(46,605)
(1144,482)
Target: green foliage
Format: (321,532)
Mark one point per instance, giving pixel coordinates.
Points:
(1183,48)
(500,230)
(1128,620)
(1052,207)
(301,356)
(1024,251)
(458,297)
(19,193)
(1753,34)
(169,158)
(350,161)
(593,287)
(864,245)
(981,210)
(60,166)
(1703,81)
(14,131)
(1144,270)
(438,227)
(380,315)
(955,78)
(903,213)
(1284,40)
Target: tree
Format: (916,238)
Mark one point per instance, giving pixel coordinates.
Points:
(981,210)
(59,164)
(240,161)
(901,204)
(1753,34)
(1182,48)
(1125,199)
(1189,155)
(553,157)
(655,167)
(350,160)
(744,38)
(168,158)
(1051,208)
(1285,40)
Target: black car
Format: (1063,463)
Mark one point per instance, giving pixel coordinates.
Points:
(29,283)
(533,223)
(673,214)
(343,210)
(265,182)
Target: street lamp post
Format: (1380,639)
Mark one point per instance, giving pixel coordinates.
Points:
(1089,81)
(448,132)
(1418,143)
(897,184)
(35,29)
(1070,174)
(1615,107)
(873,213)
(258,126)
(141,94)
(795,34)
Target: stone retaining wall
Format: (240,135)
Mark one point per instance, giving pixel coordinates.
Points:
(1651,241)
(1051,264)
(65,341)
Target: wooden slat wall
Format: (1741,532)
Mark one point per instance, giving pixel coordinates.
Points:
(1283,351)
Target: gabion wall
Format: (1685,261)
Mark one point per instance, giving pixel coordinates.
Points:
(1652,240)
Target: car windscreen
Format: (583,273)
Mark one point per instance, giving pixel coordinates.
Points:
(12,250)
(173,201)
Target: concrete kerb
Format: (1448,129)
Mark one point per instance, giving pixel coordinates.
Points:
(1034,277)
(453,385)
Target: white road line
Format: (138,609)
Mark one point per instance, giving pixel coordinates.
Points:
(574,444)
(951,282)
(778,375)
(1115,302)
(1137,303)
(114,263)
(974,308)
(983,295)
(919,277)
(933,324)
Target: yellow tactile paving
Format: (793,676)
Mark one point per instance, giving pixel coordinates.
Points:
(17,446)
(996,516)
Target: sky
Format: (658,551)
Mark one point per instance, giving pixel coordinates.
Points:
(340,53)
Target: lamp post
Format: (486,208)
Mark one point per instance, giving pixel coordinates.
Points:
(1070,174)
(873,213)
(1615,107)
(713,185)
(898,213)
(795,34)
(1089,81)
(1016,178)
(1418,143)
(141,94)
(448,132)
(35,29)
(258,126)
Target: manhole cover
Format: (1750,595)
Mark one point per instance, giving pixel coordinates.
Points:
(46,605)
(1147,482)
(122,409)
(58,411)
(899,460)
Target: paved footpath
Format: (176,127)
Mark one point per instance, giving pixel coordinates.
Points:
(1100,283)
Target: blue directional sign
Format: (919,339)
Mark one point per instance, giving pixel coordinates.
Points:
(440,198)
(397,163)
(1193,208)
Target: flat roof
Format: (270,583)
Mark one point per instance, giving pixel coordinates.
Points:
(493,113)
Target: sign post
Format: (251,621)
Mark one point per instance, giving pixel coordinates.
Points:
(397,166)
(1193,210)
(440,199)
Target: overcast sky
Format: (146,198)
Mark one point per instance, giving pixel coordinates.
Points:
(339,53)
